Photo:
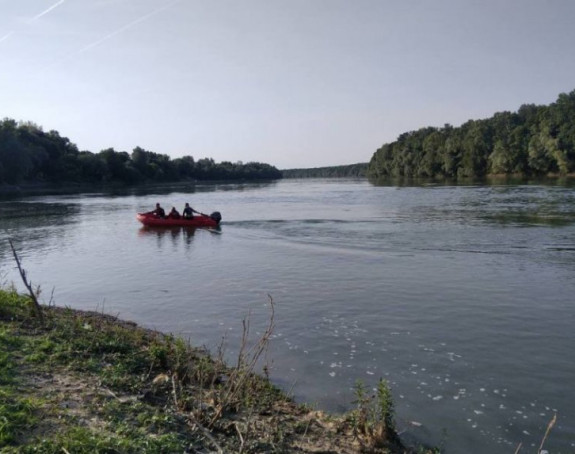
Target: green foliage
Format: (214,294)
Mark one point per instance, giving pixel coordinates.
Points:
(81,440)
(353,170)
(16,415)
(385,407)
(536,140)
(120,355)
(372,421)
(376,409)
(12,305)
(28,154)
(122,358)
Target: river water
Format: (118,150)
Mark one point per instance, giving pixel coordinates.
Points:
(462,297)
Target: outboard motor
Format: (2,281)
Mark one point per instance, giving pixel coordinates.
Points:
(216,216)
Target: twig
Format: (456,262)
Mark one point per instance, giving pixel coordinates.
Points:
(153,363)
(51,301)
(245,336)
(111,393)
(246,363)
(174,392)
(307,428)
(222,349)
(208,435)
(518,448)
(241,438)
(291,388)
(28,285)
(549,427)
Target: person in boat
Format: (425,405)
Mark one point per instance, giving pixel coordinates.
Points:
(189,212)
(174,214)
(158,212)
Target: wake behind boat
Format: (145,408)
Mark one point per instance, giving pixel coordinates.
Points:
(203,220)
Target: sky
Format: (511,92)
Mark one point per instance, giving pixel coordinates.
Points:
(293,83)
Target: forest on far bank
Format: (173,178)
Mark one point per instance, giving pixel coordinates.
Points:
(535,140)
(30,155)
(351,170)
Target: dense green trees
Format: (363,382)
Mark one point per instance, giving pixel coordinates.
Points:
(28,154)
(536,140)
(352,170)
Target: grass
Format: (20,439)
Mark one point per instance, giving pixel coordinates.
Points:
(17,412)
(76,382)
(99,358)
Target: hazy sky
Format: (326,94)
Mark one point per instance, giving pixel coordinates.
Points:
(294,83)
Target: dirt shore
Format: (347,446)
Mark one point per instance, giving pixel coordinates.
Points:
(79,382)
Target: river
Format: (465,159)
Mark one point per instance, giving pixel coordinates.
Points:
(462,297)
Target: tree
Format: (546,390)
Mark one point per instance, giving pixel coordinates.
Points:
(27,153)
(534,140)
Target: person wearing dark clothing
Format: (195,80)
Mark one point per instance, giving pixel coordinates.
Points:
(159,211)
(174,214)
(189,212)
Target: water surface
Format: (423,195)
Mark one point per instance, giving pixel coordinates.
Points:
(460,296)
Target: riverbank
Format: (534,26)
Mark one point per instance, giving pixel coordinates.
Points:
(78,381)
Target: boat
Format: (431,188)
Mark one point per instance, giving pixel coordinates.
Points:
(203,220)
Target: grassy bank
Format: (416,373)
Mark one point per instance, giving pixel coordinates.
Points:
(84,382)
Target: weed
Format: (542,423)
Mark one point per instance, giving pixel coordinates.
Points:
(385,406)
(241,385)
(372,421)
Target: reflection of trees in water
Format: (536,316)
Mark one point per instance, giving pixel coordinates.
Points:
(120,190)
(514,205)
(37,212)
(185,188)
(510,180)
(38,224)
(244,186)
(480,213)
(526,219)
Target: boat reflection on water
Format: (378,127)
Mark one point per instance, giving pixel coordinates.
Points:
(163,234)
(175,234)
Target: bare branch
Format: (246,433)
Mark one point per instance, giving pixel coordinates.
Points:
(241,437)
(549,427)
(28,284)
(247,360)
(174,392)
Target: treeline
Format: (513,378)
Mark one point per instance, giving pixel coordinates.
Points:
(30,155)
(535,140)
(352,170)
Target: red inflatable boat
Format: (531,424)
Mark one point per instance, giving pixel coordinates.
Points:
(202,220)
